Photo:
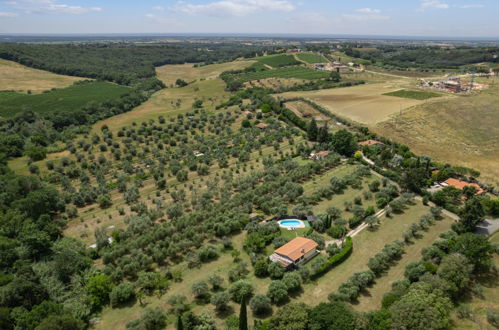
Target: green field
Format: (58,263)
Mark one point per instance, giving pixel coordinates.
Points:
(311,58)
(417,95)
(277,60)
(59,100)
(299,72)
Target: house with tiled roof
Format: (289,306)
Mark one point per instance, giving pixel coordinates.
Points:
(459,184)
(296,252)
(319,155)
(370,143)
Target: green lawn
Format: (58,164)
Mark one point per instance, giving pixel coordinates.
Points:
(277,60)
(417,95)
(365,245)
(372,299)
(59,100)
(311,58)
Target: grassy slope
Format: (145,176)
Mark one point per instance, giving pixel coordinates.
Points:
(208,87)
(461,130)
(63,100)
(16,77)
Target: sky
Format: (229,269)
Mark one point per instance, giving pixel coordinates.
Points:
(425,18)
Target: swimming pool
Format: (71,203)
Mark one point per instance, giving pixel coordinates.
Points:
(291,224)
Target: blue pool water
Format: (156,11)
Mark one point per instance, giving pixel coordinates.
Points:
(291,223)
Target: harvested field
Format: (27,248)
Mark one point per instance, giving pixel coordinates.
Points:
(459,130)
(364,104)
(170,73)
(19,78)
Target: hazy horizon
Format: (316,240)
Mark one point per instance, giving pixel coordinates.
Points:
(449,19)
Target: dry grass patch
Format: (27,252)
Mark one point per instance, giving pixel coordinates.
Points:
(459,130)
(19,78)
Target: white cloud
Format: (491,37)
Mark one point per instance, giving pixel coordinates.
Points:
(366,14)
(471,6)
(48,6)
(162,20)
(368,11)
(7,14)
(309,19)
(433,4)
(234,7)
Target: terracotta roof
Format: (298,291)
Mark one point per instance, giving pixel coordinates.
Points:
(323,153)
(297,248)
(262,125)
(370,143)
(459,184)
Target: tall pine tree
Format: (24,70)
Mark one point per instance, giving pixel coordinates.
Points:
(243,316)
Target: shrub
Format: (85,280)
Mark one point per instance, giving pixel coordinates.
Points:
(260,304)
(220,300)
(207,253)
(354,222)
(277,292)
(200,289)
(261,268)
(216,281)
(337,231)
(34,169)
(292,280)
(240,289)
(276,270)
(493,317)
(122,294)
(151,319)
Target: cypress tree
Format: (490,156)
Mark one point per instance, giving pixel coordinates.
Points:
(312,130)
(323,134)
(180,325)
(243,317)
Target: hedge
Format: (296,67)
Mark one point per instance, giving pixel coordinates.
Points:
(336,259)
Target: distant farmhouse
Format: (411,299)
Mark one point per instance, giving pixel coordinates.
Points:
(296,252)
